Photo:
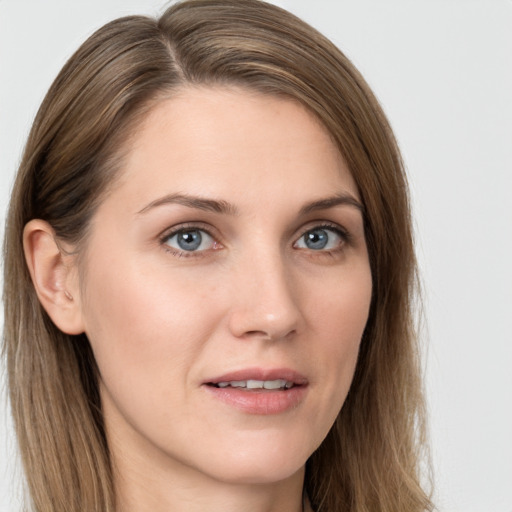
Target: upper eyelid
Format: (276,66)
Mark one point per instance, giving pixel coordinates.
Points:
(319,224)
(187,226)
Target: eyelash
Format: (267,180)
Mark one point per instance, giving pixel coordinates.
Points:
(345,238)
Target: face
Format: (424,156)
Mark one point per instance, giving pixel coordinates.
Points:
(226,288)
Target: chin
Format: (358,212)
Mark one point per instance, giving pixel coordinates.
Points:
(247,474)
(255,463)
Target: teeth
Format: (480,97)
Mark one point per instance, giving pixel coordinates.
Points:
(254,384)
(257,384)
(274,384)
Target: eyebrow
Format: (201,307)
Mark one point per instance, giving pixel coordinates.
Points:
(224,207)
(343,199)
(199,203)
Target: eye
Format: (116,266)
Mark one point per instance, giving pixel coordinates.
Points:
(190,240)
(321,238)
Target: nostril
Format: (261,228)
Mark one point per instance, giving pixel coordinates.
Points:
(268,336)
(261,334)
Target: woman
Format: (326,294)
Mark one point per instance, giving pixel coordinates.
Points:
(209,275)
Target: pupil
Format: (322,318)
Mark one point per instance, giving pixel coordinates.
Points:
(189,240)
(316,239)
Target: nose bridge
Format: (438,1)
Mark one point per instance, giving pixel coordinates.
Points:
(263,303)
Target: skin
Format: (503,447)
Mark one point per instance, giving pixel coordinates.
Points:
(162,320)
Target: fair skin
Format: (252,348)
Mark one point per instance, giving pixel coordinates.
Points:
(231,249)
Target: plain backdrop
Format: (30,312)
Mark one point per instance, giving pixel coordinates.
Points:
(443,72)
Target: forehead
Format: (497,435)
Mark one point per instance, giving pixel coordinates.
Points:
(232,141)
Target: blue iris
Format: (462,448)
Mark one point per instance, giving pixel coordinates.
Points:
(316,239)
(189,240)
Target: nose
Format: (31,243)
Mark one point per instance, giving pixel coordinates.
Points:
(265,303)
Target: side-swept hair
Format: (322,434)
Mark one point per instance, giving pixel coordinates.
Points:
(370,460)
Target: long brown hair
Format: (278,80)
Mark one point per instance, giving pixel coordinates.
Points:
(370,460)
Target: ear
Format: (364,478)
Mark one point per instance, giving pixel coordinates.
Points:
(54,275)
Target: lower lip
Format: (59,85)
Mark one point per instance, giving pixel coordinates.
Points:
(260,401)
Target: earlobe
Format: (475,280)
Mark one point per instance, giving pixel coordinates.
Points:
(54,275)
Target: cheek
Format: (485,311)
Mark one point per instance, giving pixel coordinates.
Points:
(339,307)
(139,324)
(338,318)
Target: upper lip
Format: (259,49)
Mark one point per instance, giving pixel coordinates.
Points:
(260,374)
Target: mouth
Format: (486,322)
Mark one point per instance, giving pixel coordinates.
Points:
(259,379)
(252,384)
(258,391)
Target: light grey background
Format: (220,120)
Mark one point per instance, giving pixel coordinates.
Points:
(442,70)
